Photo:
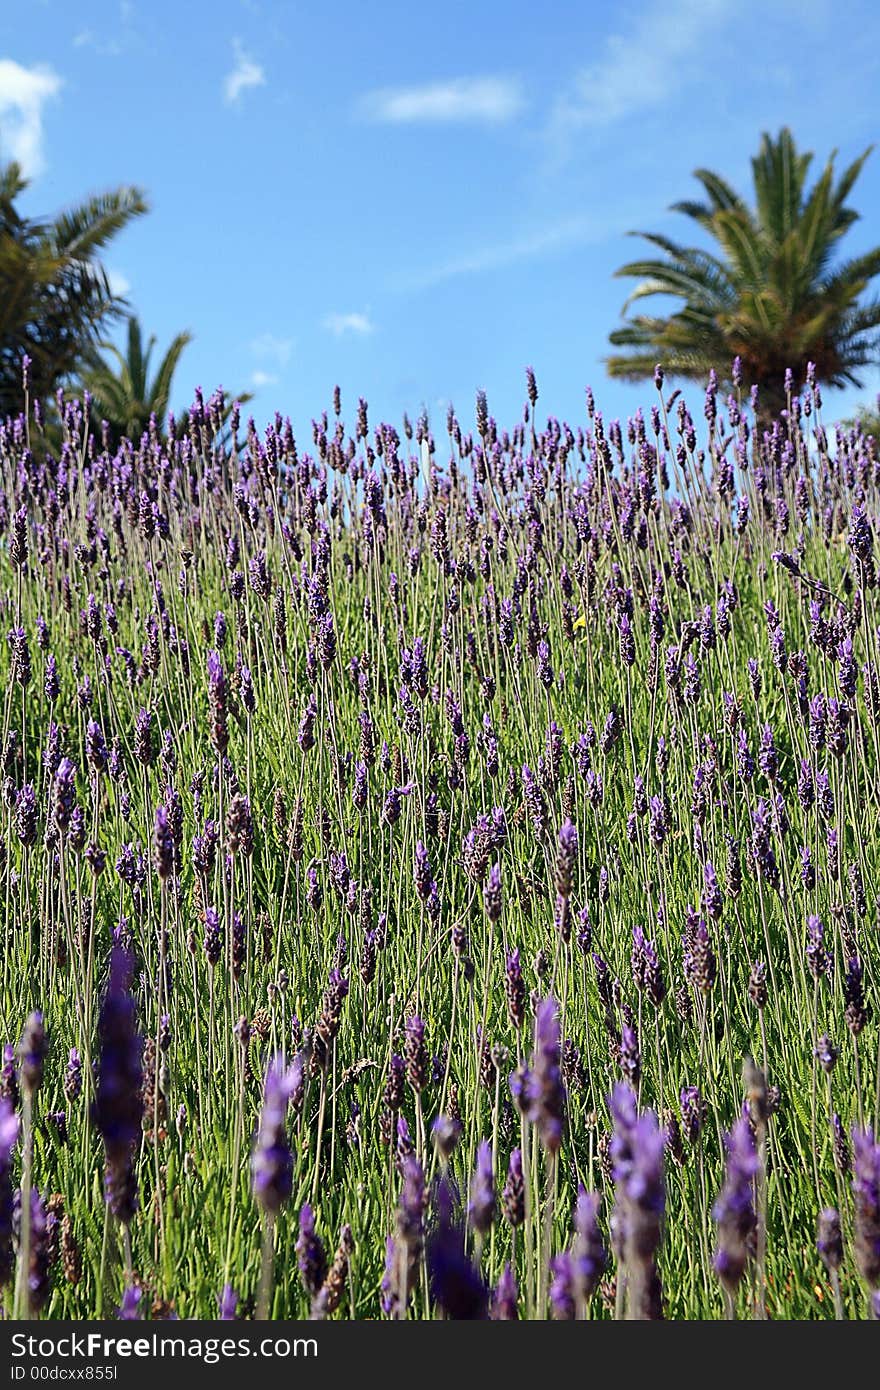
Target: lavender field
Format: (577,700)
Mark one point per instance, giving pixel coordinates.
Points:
(440,866)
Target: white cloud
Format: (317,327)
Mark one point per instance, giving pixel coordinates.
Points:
(573,231)
(658,54)
(268,347)
(23,92)
(340,324)
(119,283)
(245,73)
(259,379)
(492,100)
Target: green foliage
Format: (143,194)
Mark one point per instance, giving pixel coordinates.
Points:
(121,389)
(770,291)
(55,297)
(123,394)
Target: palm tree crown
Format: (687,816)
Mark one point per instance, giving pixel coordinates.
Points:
(770,292)
(55,297)
(121,390)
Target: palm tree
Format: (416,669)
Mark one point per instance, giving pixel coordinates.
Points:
(121,391)
(867,419)
(770,292)
(55,297)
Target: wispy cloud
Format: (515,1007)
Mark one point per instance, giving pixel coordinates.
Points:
(119,283)
(259,379)
(490,100)
(270,348)
(573,231)
(640,67)
(105,48)
(245,73)
(23,94)
(111,41)
(360,325)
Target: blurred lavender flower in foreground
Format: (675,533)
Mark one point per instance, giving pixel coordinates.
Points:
(272,1159)
(734,1211)
(456,1285)
(118,1107)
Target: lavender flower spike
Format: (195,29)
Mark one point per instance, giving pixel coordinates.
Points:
(118,1107)
(734,1211)
(227,1304)
(8,1141)
(481,1208)
(504,1300)
(457,1286)
(866,1191)
(546,1089)
(129,1308)
(272,1159)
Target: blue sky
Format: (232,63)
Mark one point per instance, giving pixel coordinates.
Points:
(416,202)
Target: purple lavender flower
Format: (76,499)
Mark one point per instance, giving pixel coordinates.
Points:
(272,1159)
(829,1241)
(416,1054)
(866,1194)
(130,1308)
(637,1147)
(515,989)
(734,1211)
(712,896)
(456,1285)
(422,872)
(481,1206)
(118,1106)
(32,1051)
(566,857)
(218,703)
(546,1090)
(73,1076)
(505,1297)
(492,899)
(588,1253)
(562,1290)
(37,1276)
(311,1257)
(227,1304)
(8,1141)
(163,844)
(693,1112)
(64,794)
(630,1054)
(446,1133)
(659,821)
(818,959)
